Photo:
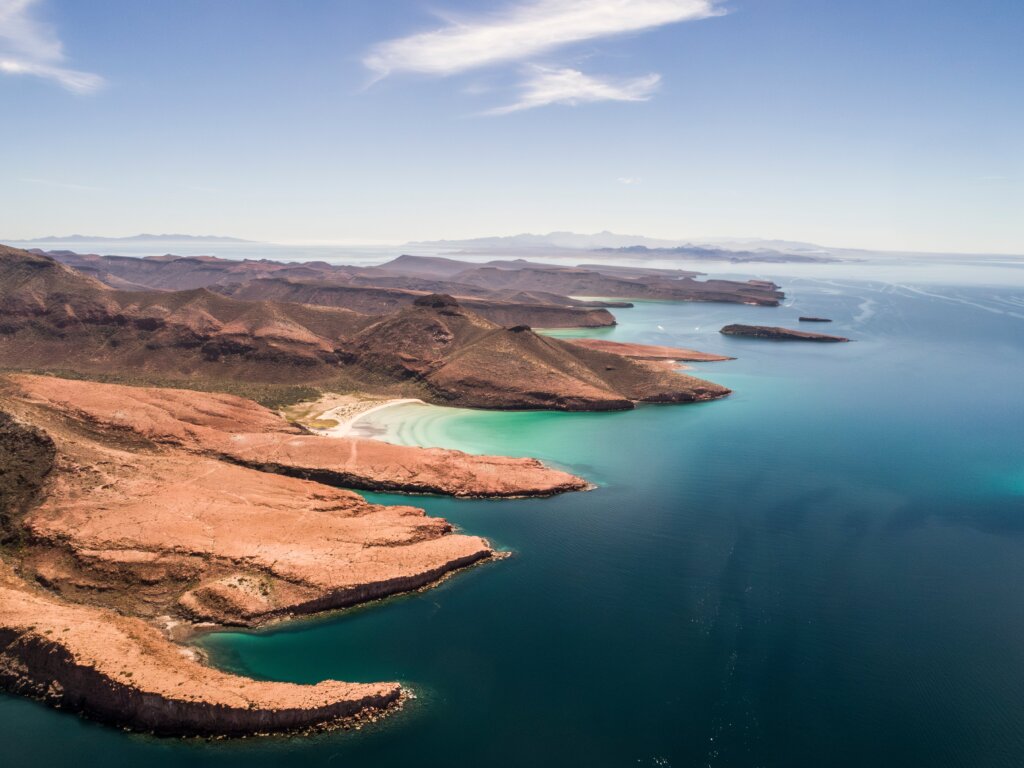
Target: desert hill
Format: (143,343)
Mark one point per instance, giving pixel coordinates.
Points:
(55,318)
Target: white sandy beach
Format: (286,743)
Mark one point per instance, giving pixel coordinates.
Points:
(347,413)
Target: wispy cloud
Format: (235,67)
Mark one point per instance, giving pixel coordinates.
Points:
(545,85)
(526,30)
(31,47)
(629,181)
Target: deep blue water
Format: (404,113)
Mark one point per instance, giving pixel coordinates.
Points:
(825,569)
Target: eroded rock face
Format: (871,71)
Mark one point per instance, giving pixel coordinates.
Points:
(26,460)
(123,671)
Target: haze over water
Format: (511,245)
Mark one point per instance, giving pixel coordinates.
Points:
(823,569)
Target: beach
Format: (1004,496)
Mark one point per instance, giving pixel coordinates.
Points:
(337,415)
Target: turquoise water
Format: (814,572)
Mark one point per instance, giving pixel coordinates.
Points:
(825,569)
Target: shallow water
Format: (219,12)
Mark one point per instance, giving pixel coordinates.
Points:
(824,569)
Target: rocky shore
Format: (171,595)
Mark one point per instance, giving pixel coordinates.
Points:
(127,509)
(123,671)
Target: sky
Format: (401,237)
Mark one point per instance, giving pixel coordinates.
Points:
(895,124)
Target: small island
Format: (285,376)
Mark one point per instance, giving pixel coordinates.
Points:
(811,319)
(776,333)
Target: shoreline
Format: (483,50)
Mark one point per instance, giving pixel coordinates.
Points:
(225,516)
(348,415)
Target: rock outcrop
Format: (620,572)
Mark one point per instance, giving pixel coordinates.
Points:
(777,334)
(123,671)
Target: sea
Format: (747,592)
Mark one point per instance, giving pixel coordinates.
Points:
(824,569)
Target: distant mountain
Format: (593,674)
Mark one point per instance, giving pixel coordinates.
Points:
(557,240)
(143,238)
(610,243)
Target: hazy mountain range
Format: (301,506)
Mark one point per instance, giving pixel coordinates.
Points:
(637,246)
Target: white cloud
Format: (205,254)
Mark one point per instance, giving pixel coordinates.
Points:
(628,180)
(526,30)
(545,85)
(30,47)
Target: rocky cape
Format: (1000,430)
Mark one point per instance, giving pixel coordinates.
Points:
(129,514)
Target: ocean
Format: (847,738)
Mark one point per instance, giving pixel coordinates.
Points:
(824,569)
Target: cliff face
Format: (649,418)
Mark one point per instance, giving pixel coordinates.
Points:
(26,460)
(122,671)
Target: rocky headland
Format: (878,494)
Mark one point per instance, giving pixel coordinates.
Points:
(131,514)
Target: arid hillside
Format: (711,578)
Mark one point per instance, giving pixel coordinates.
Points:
(57,319)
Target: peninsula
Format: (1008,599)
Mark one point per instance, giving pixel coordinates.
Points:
(129,516)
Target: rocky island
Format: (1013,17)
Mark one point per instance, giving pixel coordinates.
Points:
(776,333)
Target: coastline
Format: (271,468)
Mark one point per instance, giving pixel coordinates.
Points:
(115,579)
(347,415)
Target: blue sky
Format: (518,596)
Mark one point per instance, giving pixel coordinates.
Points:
(858,123)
